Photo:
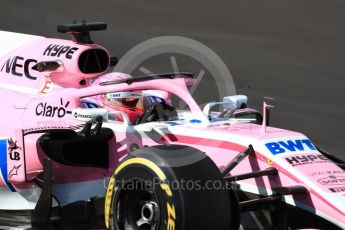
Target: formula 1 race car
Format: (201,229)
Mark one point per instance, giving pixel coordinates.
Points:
(81,147)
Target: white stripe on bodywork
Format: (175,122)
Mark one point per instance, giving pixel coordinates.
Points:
(19,89)
(10,41)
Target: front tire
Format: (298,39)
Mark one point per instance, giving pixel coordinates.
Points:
(167,187)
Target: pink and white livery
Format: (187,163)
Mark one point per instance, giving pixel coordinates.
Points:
(68,159)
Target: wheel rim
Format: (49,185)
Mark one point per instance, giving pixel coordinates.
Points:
(137,209)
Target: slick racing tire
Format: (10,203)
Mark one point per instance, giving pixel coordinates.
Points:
(162,187)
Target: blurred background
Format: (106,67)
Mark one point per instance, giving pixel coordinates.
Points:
(291,50)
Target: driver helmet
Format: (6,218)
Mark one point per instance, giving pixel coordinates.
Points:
(133,103)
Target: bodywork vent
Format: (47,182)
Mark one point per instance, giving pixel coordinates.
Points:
(93,61)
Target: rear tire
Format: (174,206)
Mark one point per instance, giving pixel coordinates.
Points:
(134,202)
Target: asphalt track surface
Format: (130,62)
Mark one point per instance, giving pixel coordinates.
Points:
(291,50)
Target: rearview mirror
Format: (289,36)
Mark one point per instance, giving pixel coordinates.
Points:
(235,102)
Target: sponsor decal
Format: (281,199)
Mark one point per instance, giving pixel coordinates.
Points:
(320,170)
(14,171)
(332,180)
(12,147)
(19,66)
(171,216)
(279,147)
(329,172)
(47,87)
(306,159)
(78,115)
(124,95)
(338,189)
(55,50)
(46,110)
